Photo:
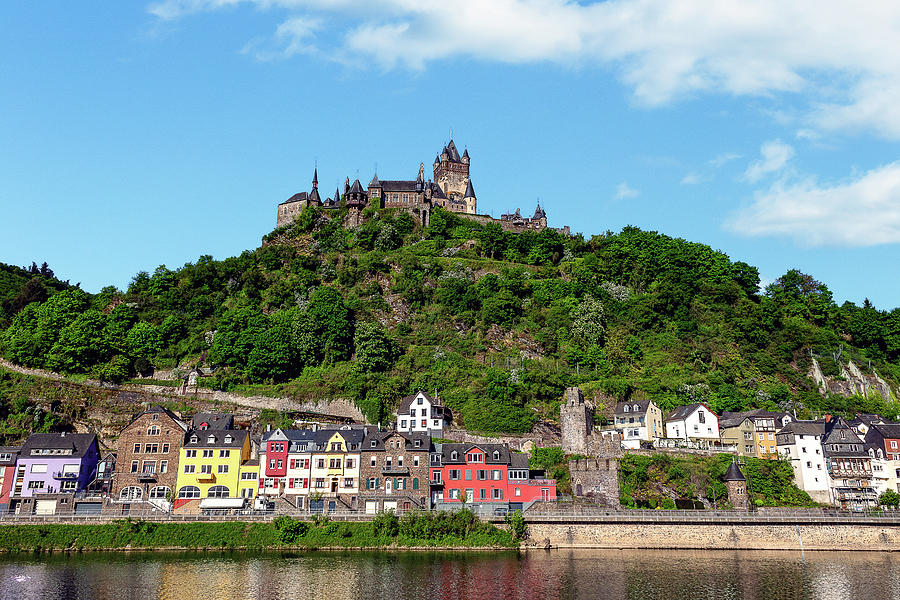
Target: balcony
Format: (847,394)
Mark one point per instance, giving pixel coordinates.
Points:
(395,470)
(147,476)
(66,475)
(211,477)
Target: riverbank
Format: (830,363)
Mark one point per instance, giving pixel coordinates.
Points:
(282,533)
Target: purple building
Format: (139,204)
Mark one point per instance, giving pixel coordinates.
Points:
(55,463)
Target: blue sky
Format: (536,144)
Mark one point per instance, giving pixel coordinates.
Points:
(135,134)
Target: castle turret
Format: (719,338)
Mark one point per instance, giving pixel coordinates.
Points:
(314,198)
(465,156)
(356,196)
(576,422)
(736,484)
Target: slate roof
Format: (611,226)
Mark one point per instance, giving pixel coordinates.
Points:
(518,460)
(218,438)
(396,185)
(642,405)
(352,437)
(292,435)
(299,197)
(379,438)
(470,191)
(13,452)
(161,410)
(833,436)
(78,442)
(730,419)
(437,192)
(461,449)
(406,402)
(890,431)
(734,473)
(683,412)
(804,428)
(212,420)
(452,152)
(375,182)
(253,462)
(356,187)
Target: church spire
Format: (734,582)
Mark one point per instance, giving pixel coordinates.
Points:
(316,178)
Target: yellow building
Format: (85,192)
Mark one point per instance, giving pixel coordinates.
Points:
(334,469)
(753,431)
(209,464)
(249,482)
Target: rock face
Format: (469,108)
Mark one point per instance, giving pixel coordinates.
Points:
(852,381)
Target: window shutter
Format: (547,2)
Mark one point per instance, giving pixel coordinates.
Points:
(415,483)
(377,483)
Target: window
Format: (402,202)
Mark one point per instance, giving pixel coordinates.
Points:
(229,439)
(218,491)
(153,430)
(223,469)
(227,454)
(474,457)
(280,463)
(211,439)
(134,466)
(518,492)
(497,494)
(335,446)
(402,426)
(412,413)
(454,474)
(149,467)
(189,468)
(454,455)
(131,492)
(482,494)
(419,401)
(206,469)
(626,408)
(165,448)
(207,454)
(701,416)
(893,444)
(348,464)
(189,491)
(497,475)
(496,455)
(415,461)
(454,494)
(348,482)
(335,463)
(320,483)
(159,492)
(35,485)
(248,475)
(152,448)
(399,461)
(137,449)
(190,454)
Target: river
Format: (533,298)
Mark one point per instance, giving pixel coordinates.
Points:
(545,575)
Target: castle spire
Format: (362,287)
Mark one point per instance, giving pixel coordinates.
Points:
(316,178)
(470,191)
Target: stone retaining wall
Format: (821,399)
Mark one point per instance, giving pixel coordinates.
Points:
(717,537)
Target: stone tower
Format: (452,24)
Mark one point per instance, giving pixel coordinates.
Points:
(576,422)
(451,173)
(736,484)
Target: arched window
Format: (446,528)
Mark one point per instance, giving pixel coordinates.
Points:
(153,430)
(218,491)
(454,455)
(131,492)
(159,492)
(880,454)
(626,408)
(189,491)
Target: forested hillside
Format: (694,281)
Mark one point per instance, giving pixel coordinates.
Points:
(497,323)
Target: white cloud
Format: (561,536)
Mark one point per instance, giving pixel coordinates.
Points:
(863,211)
(292,37)
(623,190)
(693,179)
(842,60)
(724,159)
(775,155)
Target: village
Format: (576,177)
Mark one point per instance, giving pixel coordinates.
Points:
(164,464)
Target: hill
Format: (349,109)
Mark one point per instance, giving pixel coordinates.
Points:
(498,323)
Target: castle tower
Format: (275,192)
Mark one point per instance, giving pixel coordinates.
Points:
(314,199)
(451,171)
(736,484)
(576,422)
(469,198)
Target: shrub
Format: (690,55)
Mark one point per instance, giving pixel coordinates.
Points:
(517,524)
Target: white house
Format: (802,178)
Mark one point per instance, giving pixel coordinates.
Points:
(638,421)
(420,413)
(693,423)
(800,442)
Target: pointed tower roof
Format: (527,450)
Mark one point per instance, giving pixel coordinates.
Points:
(734,473)
(375,182)
(337,195)
(466,153)
(356,187)
(470,191)
(453,152)
(539,212)
(437,159)
(316,178)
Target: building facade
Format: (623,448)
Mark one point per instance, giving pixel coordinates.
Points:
(639,421)
(8,457)
(693,423)
(849,467)
(394,471)
(56,462)
(800,442)
(147,454)
(420,413)
(209,465)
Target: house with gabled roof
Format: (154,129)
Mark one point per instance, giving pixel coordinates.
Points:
(849,466)
(800,442)
(695,423)
(639,421)
(420,413)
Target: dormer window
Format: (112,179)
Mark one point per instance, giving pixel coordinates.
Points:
(228,439)
(374,443)
(635,408)
(626,408)
(454,455)
(418,443)
(194,439)
(211,439)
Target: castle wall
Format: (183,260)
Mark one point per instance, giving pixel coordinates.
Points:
(287,212)
(597,479)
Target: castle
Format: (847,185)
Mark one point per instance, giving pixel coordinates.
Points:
(451,189)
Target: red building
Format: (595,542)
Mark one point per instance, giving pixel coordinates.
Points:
(485,474)
(8,456)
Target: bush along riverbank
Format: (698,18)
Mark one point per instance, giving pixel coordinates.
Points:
(461,529)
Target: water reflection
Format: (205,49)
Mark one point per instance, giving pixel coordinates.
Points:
(639,575)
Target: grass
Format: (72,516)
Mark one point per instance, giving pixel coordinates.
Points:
(387,531)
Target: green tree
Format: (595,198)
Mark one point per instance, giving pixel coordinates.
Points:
(375,350)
